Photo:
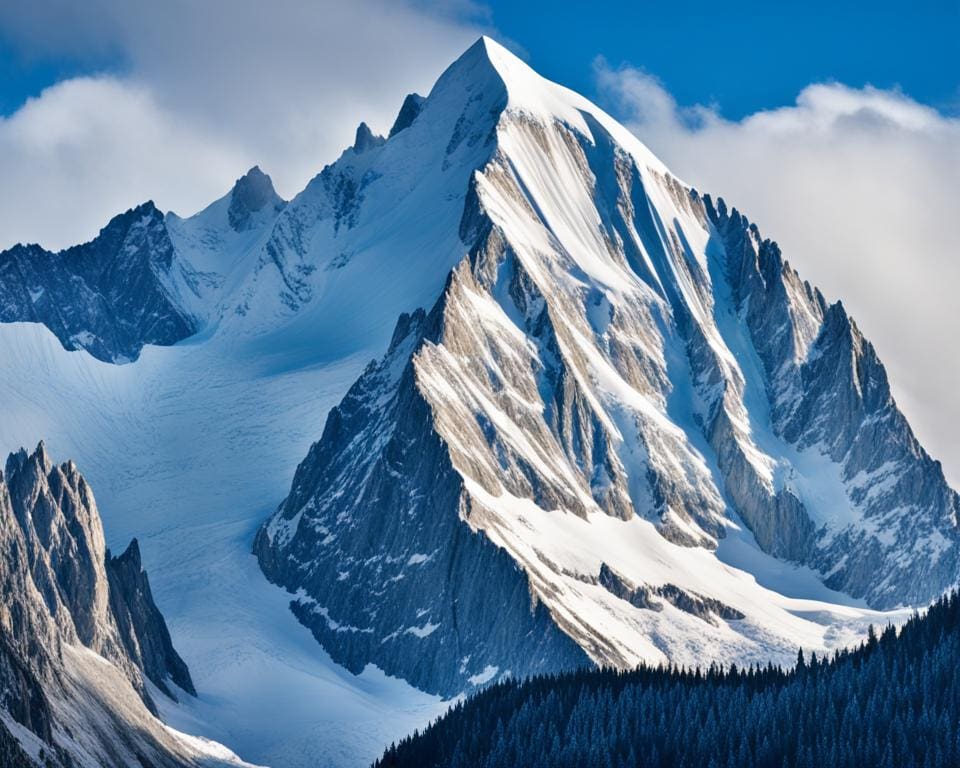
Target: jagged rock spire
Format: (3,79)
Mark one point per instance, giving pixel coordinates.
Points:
(142,627)
(253,192)
(412,105)
(55,546)
(365,139)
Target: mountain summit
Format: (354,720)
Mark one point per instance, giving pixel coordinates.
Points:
(622,407)
(252,193)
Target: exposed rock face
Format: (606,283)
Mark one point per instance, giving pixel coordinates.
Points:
(408,113)
(252,193)
(109,296)
(64,599)
(55,533)
(142,628)
(23,697)
(12,755)
(617,375)
(416,587)
(705,608)
(828,395)
(365,139)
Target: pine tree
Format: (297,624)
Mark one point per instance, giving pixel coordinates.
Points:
(893,702)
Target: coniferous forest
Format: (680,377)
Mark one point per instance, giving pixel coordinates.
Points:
(892,702)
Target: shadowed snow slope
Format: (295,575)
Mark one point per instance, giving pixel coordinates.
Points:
(607,422)
(188,449)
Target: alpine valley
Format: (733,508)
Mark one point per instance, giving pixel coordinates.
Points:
(495,395)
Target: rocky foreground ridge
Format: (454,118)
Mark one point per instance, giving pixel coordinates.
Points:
(83,647)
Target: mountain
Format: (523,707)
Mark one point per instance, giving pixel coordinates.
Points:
(215,242)
(890,702)
(620,380)
(109,296)
(82,643)
(146,278)
(605,423)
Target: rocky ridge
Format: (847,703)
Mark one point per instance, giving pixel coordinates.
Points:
(80,635)
(147,278)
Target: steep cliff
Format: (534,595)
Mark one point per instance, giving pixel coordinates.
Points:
(80,635)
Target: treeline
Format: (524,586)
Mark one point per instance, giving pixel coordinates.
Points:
(892,702)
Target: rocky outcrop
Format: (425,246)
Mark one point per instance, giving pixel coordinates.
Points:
(252,194)
(73,619)
(23,697)
(365,139)
(141,625)
(409,110)
(110,296)
(12,755)
(706,608)
(829,398)
(376,509)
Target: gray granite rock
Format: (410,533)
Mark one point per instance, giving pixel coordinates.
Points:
(828,393)
(411,107)
(375,509)
(60,591)
(141,625)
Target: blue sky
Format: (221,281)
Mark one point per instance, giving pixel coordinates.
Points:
(25,73)
(746,56)
(741,56)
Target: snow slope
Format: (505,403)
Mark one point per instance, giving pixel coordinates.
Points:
(189,449)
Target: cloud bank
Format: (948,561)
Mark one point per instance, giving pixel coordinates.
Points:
(861,189)
(205,91)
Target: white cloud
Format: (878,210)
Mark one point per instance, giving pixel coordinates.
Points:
(861,189)
(205,91)
(89,148)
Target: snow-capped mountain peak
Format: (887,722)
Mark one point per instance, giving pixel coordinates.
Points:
(606,421)
(619,391)
(252,194)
